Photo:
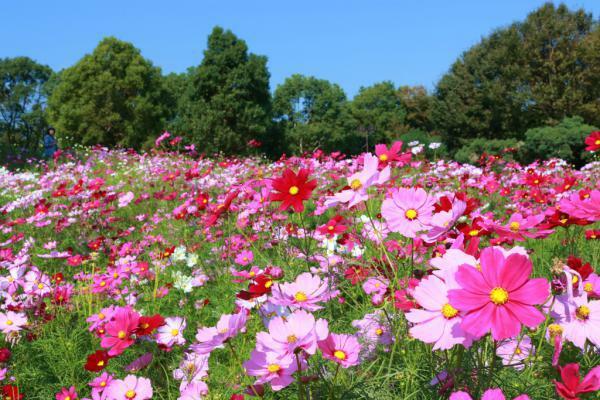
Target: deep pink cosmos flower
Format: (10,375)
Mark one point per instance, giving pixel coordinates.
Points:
(437,322)
(67,394)
(130,388)
(342,349)
(118,331)
(408,211)
(593,141)
(572,386)
(586,206)
(500,297)
(490,394)
(305,292)
(210,338)
(298,330)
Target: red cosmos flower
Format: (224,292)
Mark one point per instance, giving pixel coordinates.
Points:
(593,141)
(4,354)
(333,227)
(356,274)
(261,285)
(97,361)
(571,385)
(147,325)
(577,265)
(292,189)
(166,253)
(10,392)
(592,234)
(201,201)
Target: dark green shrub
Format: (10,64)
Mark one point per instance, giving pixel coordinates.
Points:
(471,152)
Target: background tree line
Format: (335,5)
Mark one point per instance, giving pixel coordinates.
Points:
(533,85)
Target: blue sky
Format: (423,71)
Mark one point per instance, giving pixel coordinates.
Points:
(352,43)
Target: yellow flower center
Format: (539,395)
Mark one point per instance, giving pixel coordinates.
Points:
(223,331)
(473,232)
(411,213)
(514,226)
(339,354)
(101,316)
(252,273)
(499,296)
(292,339)
(9,322)
(379,331)
(273,368)
(268,284)
(102,283)
(597,142)
(448,311)
(68,398)
(130,394)
(330,227)
(554,329)
(300,297)
(294,190)
(383,157)
(100,363)
(103,383)
(174,332)
(582,312)
(121,334)
(356,184)
(40,285)
(518,351)
(588,287)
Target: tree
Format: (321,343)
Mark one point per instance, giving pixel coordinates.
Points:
(228,102)
(417,104)
(22,104)
(378,112)
(529,74)
(314,114)
(113,96)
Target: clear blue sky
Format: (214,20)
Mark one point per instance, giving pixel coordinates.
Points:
(352,43)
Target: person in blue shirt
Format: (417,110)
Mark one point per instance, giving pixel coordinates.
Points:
(50,145)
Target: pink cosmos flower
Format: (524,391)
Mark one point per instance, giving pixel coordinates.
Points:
(298,330)
(245,257)
(100,383)
(586,207)
(67,394)
(443,221)
(359,182)
(305,292)
(437,322)
(97,320)
(408,211)
(342,349)
(130,388)
(386,156)
(373,330)
(194,391)
(12,322)
(490,394)
(210,338)
(513,351)
(520,228)
(119,331)
(193,368)
(499,298)
(272,367)
(579,318)
(171,333)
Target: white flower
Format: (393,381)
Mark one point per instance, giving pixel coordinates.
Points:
(183,282)
(413,143)
(178,254)
(192,260)
(417,149)
(171,332)
(434,145)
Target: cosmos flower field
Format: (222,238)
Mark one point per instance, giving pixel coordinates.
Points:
(390,275)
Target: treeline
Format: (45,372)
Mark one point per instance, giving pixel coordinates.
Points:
(533,86)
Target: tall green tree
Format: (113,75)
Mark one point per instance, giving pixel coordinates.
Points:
(314,114)
(417,103)
(228,102)
(532,73)
(22,104)
(113,96)
(378,113)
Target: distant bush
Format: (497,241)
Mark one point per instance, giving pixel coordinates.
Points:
(425,138)
(471,152)
(565,140)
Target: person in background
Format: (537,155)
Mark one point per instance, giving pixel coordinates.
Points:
(50,145)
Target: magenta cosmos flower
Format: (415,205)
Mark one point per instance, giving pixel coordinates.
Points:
(342,349)
(130,388)
(408,211)
(500,297)
(119,331)
(67,394)
(305,292)
(437,322)
(490,394)
(298,330)
(210,338)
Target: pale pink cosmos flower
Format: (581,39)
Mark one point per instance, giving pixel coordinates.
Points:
(373,330)
(443,221)
(579,319)
(514,351)
(272,367)
(171,333)
(125,199)
(130,388)
(193,368)
(305,292)
(359,182)
(408,211)
(193,391)
(437,322)
(342,349)
(490,394)
(12,322)
(499,298)
(298,330)
(211,338)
